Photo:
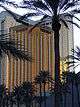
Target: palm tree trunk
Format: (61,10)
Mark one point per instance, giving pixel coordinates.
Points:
(77,95)
(57,68)
(56,27)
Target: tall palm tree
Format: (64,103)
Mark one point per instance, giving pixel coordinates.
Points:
(57,11)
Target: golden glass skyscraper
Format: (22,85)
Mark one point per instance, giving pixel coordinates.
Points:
(39,42)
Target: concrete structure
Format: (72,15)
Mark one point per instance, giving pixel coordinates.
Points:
(40,43)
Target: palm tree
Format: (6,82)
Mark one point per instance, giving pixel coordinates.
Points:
(57,11)
(2,95)
(70,79)
(64,86)
(11,98)
(39,81)
(7,98)
(42,78)
(74,57)
(75,62)
(28,93)
(74,79)
(17,92)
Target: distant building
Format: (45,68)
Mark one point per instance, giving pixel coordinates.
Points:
(6,21)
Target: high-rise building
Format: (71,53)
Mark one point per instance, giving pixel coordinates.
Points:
(40,43)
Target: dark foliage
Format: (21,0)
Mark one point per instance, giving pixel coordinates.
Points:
(74,58)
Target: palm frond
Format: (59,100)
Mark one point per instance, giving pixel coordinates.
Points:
(75,58)
(9,48)
(72,16)
(64,22)
(63,3)
(49,3)
(69,5)
(29,15)
(73,23)
(70,62)
(41,5)
(2,1)
(41,21)
(15,16)
(75,11)
(12,3)
(72,4)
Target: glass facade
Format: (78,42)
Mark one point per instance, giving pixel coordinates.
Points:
(39,42)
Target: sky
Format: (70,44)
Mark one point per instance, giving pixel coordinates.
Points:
(76,31)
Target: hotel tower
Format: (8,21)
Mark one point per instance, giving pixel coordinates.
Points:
(40,43)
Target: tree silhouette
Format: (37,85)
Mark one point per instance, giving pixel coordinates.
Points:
(73,79)
(17,94)
(75,62)
(42,79)
(28,93)
(2,95)
(74,57)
